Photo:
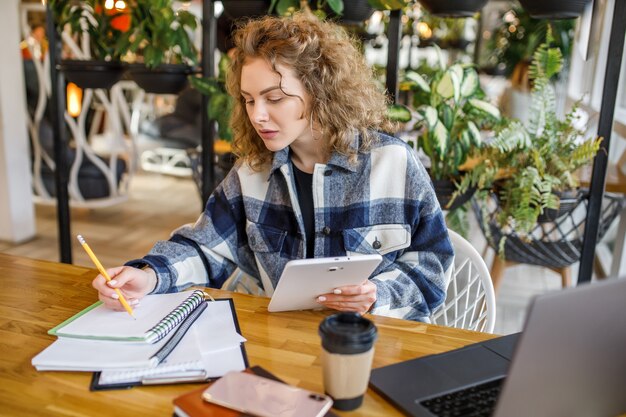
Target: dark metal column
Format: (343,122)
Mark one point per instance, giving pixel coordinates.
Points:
(394,35)
(605,127)
(57,110)
(209,33)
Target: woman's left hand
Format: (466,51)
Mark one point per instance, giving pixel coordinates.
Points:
(356,298)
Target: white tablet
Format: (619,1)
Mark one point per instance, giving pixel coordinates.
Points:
(303,280)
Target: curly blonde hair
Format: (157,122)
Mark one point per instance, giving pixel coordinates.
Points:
(345,99)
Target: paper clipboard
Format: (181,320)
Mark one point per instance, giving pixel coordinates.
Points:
(96,385)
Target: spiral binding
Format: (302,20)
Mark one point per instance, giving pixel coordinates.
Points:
(175,317)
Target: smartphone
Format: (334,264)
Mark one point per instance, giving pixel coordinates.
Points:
(262,397)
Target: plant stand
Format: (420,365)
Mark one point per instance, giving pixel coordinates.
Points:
(499,265)
(555,245)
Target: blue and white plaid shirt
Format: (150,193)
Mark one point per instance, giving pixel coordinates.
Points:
(253,221)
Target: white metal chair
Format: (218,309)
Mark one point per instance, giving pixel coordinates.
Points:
(470,301)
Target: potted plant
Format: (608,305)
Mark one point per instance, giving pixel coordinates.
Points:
(451,112)
(531,169)
(159,36)
(102,26)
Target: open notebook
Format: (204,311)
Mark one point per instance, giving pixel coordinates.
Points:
(211,346)
(159,314)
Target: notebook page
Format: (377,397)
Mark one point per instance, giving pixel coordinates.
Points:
(102,322)
(67,354)
(211,345)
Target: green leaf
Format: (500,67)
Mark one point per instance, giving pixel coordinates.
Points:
(430,116)
(218,104)
(272,6)
(465,140)
(449,85)
(223,67)
(284,7)
(425,145)
(448,116)
(470,83)
(187,19)
(399,113)
(485,107)
(458,70)
(459,154)
(336,6)
(387,4)
(440,137)
(419,80)
(474,133)
(205,86)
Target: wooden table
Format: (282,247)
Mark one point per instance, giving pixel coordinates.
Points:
(37,295)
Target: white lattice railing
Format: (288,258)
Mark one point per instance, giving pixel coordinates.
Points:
(109,109)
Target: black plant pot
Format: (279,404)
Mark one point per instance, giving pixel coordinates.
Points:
(92,74)
(242,9)
(459,44)
(453,8)
(164,79)
(444,189)
(355,12)
(554,9)
(568,201)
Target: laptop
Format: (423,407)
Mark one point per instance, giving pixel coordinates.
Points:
(569,361)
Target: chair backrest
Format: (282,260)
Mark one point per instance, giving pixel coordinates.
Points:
(470,301)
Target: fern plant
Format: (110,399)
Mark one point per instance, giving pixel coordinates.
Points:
(528,166)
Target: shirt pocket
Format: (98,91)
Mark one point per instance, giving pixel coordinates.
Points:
(263,238)
(381,239)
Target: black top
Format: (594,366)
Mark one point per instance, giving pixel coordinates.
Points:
(304,187)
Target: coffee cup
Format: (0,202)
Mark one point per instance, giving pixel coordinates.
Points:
(347,352)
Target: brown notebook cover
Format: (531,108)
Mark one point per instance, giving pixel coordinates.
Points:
(191,404)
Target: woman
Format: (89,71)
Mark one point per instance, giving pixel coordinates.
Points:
(315,178)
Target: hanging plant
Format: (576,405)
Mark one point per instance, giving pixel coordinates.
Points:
(160,39)
(102,24)
(530,168)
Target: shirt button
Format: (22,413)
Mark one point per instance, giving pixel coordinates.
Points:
(376,244)
(326,230)
(328,173)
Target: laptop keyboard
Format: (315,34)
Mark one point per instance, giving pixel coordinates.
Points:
(475,401)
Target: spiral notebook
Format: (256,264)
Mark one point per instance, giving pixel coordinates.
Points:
(158,315)
(212,347)
(206,345)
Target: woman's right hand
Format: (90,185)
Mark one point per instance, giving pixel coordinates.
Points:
(133,283)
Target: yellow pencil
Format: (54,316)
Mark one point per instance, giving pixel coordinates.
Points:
(104,274)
